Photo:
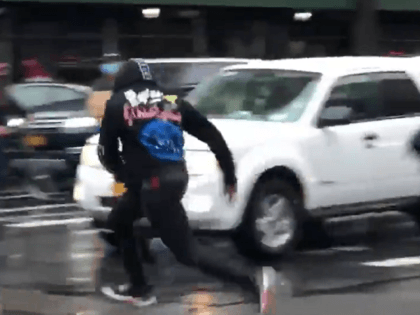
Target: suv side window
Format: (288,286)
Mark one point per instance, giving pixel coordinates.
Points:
(400,95)
(360,93)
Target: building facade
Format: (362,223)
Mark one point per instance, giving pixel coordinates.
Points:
(69,38)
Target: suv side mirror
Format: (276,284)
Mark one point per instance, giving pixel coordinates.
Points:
(335,116)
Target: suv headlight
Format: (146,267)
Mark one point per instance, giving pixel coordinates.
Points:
(89,156)
(15,122)
(74,124)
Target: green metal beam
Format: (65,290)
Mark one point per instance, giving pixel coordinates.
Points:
(390,5)
(399,5)
(298,4)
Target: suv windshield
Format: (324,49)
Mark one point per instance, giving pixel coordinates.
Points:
(274,95)
(184,74)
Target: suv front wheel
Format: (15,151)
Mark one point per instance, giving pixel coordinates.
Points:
(273,222)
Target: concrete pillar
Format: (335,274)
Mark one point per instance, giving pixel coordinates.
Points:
(200,38)
(278,42)
(296,49)
(365,37)
(236,47)
(110,37)
(258,45)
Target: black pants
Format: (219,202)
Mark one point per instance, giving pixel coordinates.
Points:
(163,208)
(120,221)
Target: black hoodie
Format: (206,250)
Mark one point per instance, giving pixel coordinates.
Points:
(131,115)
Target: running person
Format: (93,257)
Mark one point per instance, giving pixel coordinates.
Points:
(155,175)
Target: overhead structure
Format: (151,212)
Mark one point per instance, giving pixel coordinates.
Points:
(389,5)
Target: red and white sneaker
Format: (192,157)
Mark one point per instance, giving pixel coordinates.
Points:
(267,290)
(139,297)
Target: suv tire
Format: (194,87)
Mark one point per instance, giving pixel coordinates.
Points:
(273,220)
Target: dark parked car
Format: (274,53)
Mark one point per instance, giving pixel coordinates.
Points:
(49,125)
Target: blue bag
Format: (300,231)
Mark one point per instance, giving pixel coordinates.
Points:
(163,140)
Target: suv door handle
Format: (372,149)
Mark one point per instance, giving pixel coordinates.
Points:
(370,137)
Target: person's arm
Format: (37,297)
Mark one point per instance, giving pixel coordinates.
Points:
(108,149)
(200,127)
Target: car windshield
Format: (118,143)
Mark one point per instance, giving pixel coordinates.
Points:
(184,74)
(32,96)
(274,95)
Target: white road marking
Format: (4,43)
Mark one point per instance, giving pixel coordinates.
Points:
(41,207)
(317,252)
(333,250)
(351,248)
(39,216)
(14,196)
(395,262)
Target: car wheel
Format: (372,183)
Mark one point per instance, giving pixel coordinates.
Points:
(273,221)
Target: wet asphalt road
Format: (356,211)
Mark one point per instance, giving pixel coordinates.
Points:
(371,268)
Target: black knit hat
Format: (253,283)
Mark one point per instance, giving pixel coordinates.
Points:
(134,70)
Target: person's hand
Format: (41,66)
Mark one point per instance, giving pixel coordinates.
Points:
(118,178)
(230,191)
(170,98)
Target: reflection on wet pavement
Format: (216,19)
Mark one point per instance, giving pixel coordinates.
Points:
(62,257)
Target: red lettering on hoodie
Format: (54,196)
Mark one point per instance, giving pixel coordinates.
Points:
(142,113)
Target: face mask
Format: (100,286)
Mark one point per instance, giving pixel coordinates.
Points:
(110,68)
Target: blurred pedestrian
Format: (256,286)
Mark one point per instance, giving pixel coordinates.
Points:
(3,159)
(102,87)
(153,168)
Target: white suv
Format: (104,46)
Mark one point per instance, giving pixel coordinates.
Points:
(313,137)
